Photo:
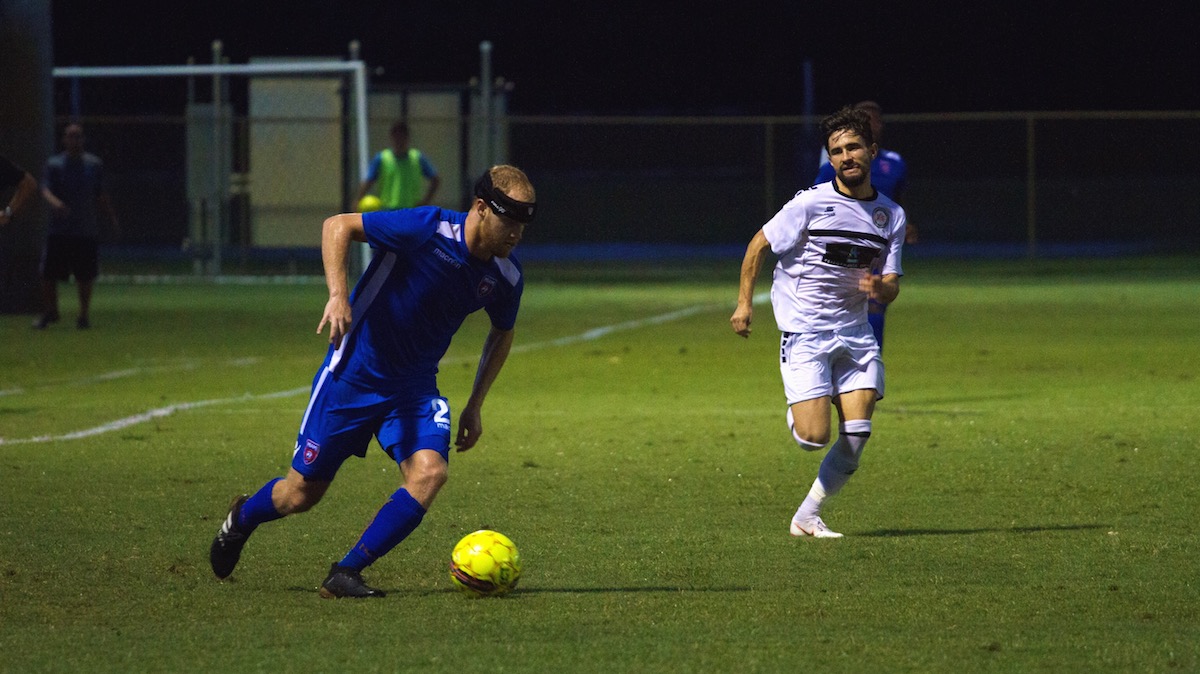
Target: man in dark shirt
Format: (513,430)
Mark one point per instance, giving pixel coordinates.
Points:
(73,185)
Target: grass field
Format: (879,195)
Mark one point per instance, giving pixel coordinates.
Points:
(1027,502)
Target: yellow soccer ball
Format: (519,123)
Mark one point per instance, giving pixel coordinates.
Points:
(369,203)
(485,564)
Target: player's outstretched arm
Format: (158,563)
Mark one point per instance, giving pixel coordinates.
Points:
(434,183)
(363,187)
(751,264)
(25,189)
(57,205)
(338,233)
(495,353)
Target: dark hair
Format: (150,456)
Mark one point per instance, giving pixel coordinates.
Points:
(399,128)
(847,119)
(869,105)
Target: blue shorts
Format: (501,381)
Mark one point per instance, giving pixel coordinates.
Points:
(341,419)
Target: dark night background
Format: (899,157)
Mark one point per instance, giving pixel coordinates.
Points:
(698,58)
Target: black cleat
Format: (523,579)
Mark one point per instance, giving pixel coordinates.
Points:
(42,322)
(227,546)
(346,582)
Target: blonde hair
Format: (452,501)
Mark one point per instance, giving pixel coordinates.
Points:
(513,182)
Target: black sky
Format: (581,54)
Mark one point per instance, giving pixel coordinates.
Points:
(568,57)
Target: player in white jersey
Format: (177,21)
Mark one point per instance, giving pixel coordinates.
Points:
(828,239)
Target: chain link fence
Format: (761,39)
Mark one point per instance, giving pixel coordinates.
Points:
(989,184)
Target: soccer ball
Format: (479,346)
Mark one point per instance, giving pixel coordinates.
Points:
(369,203)
(485,563)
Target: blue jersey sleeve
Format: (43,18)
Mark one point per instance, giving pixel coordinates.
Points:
(373,169)
(427,168)
(503,312)
(403,230)
(901,179)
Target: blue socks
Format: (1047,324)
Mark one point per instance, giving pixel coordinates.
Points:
(393,523)
(258,509)
(398,518)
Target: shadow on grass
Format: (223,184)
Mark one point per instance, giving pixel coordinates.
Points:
(623,590)
(554,590)
(955,400)
(897,533)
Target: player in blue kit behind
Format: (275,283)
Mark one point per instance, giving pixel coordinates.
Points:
(431,269)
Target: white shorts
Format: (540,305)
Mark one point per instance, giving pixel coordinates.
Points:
(816,364)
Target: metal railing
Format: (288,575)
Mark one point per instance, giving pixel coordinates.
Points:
(1032,180)
(1028,183)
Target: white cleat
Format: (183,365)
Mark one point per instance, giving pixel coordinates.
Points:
(814,527)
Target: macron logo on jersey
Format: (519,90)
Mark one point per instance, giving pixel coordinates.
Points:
(446,257)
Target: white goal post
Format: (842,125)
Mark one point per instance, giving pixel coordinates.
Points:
(354,70)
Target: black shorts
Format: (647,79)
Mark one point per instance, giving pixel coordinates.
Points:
(66,255)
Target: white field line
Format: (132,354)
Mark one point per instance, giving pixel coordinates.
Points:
(148,416)
(586,336)
(186,366)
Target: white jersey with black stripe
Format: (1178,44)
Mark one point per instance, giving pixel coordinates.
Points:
(825,240)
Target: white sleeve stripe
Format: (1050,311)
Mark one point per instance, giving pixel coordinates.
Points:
(312,397)
(364,299)
(449,230)
(510,271)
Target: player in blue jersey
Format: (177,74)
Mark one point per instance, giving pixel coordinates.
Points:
(889,175)
(431,269)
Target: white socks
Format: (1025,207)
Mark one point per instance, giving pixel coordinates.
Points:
(836,468)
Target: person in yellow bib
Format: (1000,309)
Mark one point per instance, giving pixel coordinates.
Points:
(403,176)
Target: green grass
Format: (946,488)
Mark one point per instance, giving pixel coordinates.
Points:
(1027,501)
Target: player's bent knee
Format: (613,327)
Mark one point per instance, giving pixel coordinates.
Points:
(424,475)
(425,485)
(807,441)
(298,502)
(297,497)
(432,479)
(806,444)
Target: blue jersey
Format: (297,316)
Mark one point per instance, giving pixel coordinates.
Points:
(888,173)
(420,286)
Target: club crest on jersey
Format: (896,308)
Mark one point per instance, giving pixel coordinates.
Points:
(311,451)
(486,285)
(881,217)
